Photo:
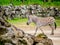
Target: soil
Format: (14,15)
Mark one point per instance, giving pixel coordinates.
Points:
(47,30)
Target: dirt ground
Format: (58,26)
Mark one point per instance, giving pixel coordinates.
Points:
(47,30)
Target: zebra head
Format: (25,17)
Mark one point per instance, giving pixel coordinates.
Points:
(29,20)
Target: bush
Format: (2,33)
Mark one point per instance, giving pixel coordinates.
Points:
(27,2)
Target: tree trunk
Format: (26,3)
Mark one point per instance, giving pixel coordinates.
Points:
(49,0)
(45,0)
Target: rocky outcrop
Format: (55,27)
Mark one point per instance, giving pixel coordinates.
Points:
(10,35)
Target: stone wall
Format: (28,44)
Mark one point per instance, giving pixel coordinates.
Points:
(11,12)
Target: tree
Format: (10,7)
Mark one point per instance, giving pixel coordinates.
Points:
(45,0)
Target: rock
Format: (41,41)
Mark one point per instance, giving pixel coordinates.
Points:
(8,44)
(43,40)
(39,44)
(11,35)
(27,40)
(11,11)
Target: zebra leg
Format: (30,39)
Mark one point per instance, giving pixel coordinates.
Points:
(52,27)
(36,31)
(41,30)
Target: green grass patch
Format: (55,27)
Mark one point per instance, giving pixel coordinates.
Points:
(23,21)
(18,20)
(58,22)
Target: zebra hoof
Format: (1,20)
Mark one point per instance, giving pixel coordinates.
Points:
(52,33)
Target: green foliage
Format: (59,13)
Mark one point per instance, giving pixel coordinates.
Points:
(56,0)
(27,2)
(4,2)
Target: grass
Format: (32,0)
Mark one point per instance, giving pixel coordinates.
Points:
(58,22)
(23,21)
(20,21)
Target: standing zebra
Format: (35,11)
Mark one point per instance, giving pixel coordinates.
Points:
(40,21)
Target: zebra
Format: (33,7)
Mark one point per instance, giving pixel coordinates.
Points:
(42,21)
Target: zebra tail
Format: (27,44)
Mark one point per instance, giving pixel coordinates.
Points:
(55,25)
